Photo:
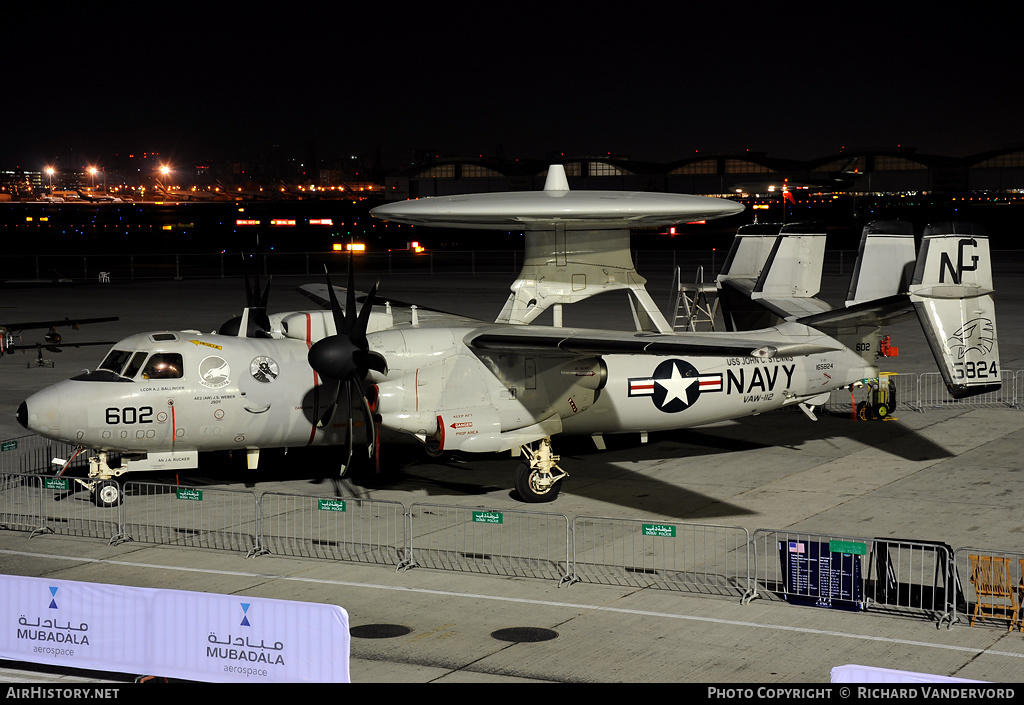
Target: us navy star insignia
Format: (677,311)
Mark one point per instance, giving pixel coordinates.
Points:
(675,385)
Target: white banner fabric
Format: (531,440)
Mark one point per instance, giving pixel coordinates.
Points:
(852,673)
(173,633)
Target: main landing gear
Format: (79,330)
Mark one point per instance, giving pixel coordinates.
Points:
(538,478)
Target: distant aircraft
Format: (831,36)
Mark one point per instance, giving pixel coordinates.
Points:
(190,195)
(240,194)
(98,198)
(456,384)
(53,340)
(786,183)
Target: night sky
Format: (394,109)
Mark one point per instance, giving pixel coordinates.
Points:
(515,81)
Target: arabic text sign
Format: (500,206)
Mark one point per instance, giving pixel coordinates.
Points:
(173,633)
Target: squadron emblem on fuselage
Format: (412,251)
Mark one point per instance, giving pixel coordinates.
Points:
(214,372)
(675,385)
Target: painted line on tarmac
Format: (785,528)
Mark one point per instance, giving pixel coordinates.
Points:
(523,600)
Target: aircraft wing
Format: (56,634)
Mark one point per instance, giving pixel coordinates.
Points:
(523,339)
(317,293)
(73,322)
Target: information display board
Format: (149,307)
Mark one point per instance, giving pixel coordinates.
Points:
(822,573)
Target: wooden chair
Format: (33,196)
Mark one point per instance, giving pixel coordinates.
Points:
(996,595)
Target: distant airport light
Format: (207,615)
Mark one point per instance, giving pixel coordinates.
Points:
(242,221)
(282,221)
(356,247)
(336,247)
(321,221)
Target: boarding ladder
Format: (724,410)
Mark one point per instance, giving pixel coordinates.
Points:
(694,305)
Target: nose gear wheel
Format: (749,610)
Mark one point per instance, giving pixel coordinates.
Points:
(538,478)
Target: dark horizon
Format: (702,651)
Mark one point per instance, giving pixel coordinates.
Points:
(196,84)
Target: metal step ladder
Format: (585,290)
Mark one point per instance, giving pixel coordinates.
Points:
(694,304)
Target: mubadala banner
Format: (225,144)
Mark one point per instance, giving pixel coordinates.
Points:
(173,633)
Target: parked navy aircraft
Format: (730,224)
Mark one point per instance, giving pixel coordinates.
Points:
(324,377)
(53,340)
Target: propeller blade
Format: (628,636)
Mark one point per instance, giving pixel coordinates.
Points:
(350,301)
(371,360)
(362,323)
(339,320)
(344,468)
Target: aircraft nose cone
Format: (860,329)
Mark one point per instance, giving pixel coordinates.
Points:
(22,415)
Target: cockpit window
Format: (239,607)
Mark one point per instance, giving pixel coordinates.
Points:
(163,366)
(115,360)
(135,365)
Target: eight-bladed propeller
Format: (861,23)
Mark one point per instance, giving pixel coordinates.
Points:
(346,358)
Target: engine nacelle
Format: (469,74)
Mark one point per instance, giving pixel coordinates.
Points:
(439,389)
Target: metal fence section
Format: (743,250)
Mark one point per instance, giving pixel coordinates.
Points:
(19,502)
(34,454)
(905,394)
(700,558)
(994,588)
(934,394)
(189,516)
(67,508)
(894,576)
(913,577)
(53,505)
(492,541)
(345,529)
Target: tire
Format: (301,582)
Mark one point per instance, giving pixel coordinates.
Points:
(526,490)
(107,494)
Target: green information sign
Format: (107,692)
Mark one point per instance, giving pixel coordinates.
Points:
(189,494)
(56,483)
(666,530)
(854,547)
(488,518)
(332,505)
(8,445)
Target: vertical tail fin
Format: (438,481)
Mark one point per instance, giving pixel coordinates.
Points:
(952,294)
(772,273)
(886,253)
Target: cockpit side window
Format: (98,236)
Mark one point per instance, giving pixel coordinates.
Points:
(115,360)
(135,365)
(163,366)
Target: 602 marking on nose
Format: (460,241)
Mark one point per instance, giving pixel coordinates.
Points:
(129,415)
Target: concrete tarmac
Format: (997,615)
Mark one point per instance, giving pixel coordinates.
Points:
(949,475)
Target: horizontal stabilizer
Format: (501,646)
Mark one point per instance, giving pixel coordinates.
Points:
(952,294)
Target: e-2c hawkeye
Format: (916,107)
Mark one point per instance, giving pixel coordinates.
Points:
(337,376)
